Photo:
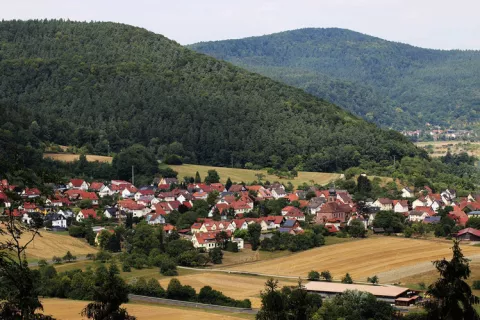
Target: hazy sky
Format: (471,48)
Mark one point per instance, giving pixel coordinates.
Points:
(426,23)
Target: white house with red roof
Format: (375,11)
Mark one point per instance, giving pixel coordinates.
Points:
(384,204)
(78,184)
(31,193)
(155,218)
(85,214)
(96,186)
(206,240)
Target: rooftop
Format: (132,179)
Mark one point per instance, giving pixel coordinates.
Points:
(334,287)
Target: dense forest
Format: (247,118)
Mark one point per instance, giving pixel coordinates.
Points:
(107,86)
(392,84)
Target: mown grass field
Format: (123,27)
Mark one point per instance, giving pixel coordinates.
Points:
(70,310)
(50,244)
(440,148)
(245,175)
(232,285)
(67,157)
(362,259)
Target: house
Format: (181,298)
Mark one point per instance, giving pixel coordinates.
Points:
(458,216)
(407,192)
(291,212)
(206,240)
(292,225)
(110,212)
(168,228)
(468,234)
(400,206)
(168,181)
(96,186)
(236,188)
(58,220)
(240,243)
(105,191)
(78,184)
(200,195)
(145,193)
(85,214)
(31,193)
(422,202)
(240,224)
(417,216)
(240,207)
(155,218)
(278,193)
(218,186)
(428,210)
(384,204)
(85,195)
(315,204)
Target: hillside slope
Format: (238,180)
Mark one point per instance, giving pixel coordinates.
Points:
(393,84)
(106,86)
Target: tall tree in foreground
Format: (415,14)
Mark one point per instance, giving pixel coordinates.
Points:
(18,293)
(452,298)
(110,292)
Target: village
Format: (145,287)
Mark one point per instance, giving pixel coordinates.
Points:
(229,208)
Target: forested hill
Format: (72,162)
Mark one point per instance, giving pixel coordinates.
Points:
(105,86)
(393,84)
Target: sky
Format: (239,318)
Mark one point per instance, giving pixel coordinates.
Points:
(438,24)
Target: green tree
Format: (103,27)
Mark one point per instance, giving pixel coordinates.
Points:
(347,279)
(197,177)
(216,255)
(109,294)
(228,184)
(212,197)
(357,229)
(212,177)
(373,280)
(313,275)
(69,257)
(326,275)
(452,297)
(254,232)
(273,305)
(140,158)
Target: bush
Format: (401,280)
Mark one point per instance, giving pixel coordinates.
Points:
(90,256)
(232,247)
(216,255)
(126,267)
(476,285)
(176,291)
(56,260)
(168,267)
(103,256)
(326,275)
(313,276)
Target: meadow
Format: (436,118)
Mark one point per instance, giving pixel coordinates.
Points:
(70,310)
(246,175)
(48,244)
(68,157)
(440,148)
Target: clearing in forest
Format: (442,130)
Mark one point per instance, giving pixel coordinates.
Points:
(246,175)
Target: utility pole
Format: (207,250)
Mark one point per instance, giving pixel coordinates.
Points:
(133,176)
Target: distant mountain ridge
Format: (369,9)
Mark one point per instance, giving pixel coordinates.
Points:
(106,86)
(392,84)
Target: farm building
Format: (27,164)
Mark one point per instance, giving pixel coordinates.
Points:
(391,294)
(468,234)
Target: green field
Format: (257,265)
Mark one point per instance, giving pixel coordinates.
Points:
(245,175)
(440,148)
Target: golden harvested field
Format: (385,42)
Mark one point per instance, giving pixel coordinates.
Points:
(49,244)
(232,285)
(63,309)
(67,157)
(362,259)
(245,175)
